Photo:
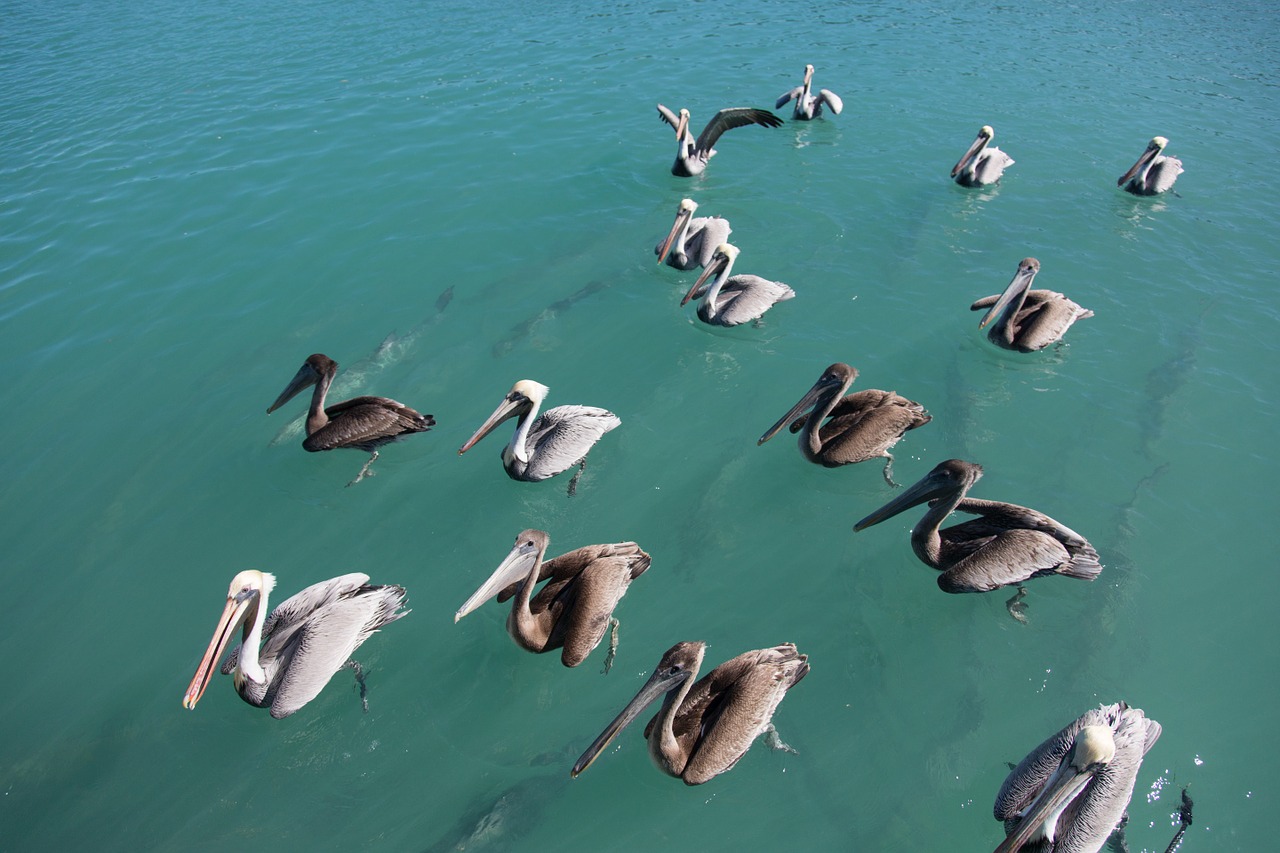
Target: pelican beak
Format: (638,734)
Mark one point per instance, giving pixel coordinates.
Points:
(718,262)
(515,567)
(1063,786)
(304,378)
(1021,283)
(682,219)
(807,402)
(1147,156)
(978,144)
(511,406)
(808,75)
(659,683)
(233,615)
(928,488)
(682,127)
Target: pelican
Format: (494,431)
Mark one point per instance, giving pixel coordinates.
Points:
(365,423)
(842,430)
(1153,173)
(1007,545)
(692,154)
(1069,793)
(1028,320)
(547,444)
(807,106)
(733,301)
(692,241)
(981,165)
(575,607)
(703,728)
(284,660)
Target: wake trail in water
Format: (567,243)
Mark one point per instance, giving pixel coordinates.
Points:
(392,350)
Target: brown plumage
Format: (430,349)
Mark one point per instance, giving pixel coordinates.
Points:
(574,609)
(363,423)
(842,430)
(1006,545)
(1028,320)
(705,727)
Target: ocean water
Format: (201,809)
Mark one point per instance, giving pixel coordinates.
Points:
(448,197)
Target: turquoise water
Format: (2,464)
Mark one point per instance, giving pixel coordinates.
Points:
(450,197)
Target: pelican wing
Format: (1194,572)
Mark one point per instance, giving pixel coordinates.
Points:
(707,235)
(730,118)
(361,420)
(868,431)
(991,165)
(1012,557)
(561,437)
(997,516)
(746,297)
(732,705)
(1044,323)
(1163,173)
(788,96)
(668,116)
(324,642)
(597,591)
(832,100)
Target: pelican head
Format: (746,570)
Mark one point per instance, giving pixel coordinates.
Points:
(248,589)
(529,548)
(684,213)
(720,264)
(1153,149)
(1092,751)
(945,478)
(524,397)
(808,75)
(315,368)
(679,664)
(838,376)
(1021,283)
(985,135)
(682,128)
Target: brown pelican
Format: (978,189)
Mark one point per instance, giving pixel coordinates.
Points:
(842,430)
(692,241)
(703,728)
(365,423)
(692,154)
(981,165)
(1153,173)
(1028,320)
(807,106)
(575,607)
(284,660)
(733,301)
(1007,545)
(547,444)
(1069,793)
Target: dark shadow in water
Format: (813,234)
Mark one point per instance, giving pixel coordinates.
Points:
(502,820)
(1167,378)
(521,330)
